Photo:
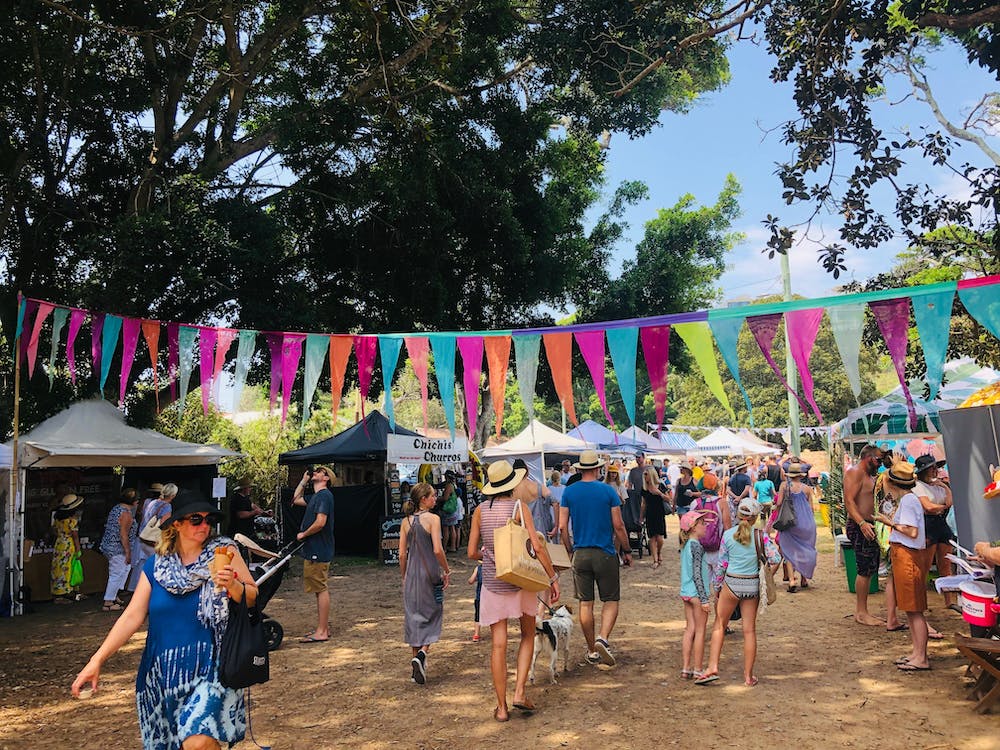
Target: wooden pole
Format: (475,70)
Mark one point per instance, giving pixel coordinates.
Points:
(13,524)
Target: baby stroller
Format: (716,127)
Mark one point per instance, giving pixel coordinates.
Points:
(638,538)
(267,575)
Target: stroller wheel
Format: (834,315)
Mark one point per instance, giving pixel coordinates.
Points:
(274,633)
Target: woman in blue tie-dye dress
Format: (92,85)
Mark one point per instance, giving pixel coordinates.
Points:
(185,593)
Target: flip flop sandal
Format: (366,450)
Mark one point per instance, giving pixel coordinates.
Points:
(687,674)
(525,707)
(907,667)
(897,629)
(706,679)
(752,682)
(936,636)
(496,715)
(313,639)
(902,660)
(115,607)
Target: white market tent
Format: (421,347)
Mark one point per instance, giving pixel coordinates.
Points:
(668,443)
(725,442)
(531,445)
(593,433)
(89,433)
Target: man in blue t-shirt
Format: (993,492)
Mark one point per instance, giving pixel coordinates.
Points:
(317,549)
(596,513)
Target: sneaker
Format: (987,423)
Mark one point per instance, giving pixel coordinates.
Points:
(604,652)
(593,658)
(419,668)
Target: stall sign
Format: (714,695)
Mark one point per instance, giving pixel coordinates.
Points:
(416,449)
(389,538)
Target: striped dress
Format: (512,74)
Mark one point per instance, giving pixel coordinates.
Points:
(493,516)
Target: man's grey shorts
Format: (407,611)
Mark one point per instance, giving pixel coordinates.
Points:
(592,564)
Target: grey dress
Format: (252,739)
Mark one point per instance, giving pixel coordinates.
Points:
(422,623)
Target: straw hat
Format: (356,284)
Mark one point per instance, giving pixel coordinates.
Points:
(502,477)
(901,474)
(589,460)
(795,470)
(69,502)
(155,487)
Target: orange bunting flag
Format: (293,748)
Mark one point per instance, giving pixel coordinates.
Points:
(497,357)
(151,332)
(559,353)
(340,352)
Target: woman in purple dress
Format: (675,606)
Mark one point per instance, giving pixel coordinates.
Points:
(798,544)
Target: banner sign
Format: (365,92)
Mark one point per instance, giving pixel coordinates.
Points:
(415,449)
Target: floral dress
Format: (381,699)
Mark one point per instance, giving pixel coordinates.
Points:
(62,555)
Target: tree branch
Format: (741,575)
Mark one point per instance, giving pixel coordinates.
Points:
(964,22)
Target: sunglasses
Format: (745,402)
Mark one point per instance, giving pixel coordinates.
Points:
(197,519)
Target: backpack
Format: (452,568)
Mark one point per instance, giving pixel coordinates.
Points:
(712,539)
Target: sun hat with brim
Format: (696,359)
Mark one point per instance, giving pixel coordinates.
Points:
(588,460)
(795,470)
(901,474)
(502,477)
(689,519)
(737,465)
(188,502)
(685,469)
(69,502)
(923,463)
(748,508)
(155,487)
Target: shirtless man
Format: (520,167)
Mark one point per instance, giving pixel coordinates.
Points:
(859,498)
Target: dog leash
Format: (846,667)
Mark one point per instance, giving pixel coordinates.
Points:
(544,604)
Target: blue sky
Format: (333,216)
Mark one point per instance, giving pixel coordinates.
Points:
(727,132)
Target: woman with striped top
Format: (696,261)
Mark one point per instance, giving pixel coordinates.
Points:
(499,600)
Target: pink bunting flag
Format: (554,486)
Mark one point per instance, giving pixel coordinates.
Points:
(471,349)
(130,339)
(151,332)
(173,356)
(893,318)
(365,348)
(656,349)
(764,328)
(96,329)
(803,325)
(44,310)
(291,353)
(591,345)
(274,342)
(224,340)
(417,348)
(206,363)
(76,318)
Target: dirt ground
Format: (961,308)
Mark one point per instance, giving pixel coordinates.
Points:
(824,681)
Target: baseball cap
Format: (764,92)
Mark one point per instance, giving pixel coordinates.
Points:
(748,508)
(692,517)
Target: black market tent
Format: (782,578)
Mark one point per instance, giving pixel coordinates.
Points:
(365,441)
(356,508)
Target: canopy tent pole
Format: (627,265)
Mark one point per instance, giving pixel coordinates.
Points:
(14,531)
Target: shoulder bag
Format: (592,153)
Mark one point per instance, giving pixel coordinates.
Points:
(150,532)
(768,589)
(786,514)
(243,655)
(514,554)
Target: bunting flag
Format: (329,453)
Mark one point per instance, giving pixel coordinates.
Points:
(130,340)
(623,344)
(340,352)
(893,319)
(109,342)
(933,315)
(76,319)
(274,342)
(697,337)
(30,307)
(389,348)
(471,349)
(727,336)
(58,321)
(316,346)
(444,370)
(982,301)
(526,350)
(206,364)
(802,327)
(173,357)
(591,344)
(497,358)
(291,353)
(44,310)
(764,329)
(656,350)
(22,309)
(186,336)
(848,323)
(96,335)
(364,350)
(417,350)
(244,355)
(151,332)
(224,340)
(559,353)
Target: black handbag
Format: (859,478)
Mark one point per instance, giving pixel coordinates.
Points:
(243,655)
(786,514)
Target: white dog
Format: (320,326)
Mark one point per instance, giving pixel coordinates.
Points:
(551,637)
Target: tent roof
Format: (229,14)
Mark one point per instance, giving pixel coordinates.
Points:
(94,433)
(363,441)
(668,442)
(536,438)
(725,442)
(592,432)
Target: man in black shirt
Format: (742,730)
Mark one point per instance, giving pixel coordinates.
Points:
(242,510)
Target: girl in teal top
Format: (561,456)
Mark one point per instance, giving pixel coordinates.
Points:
(694,591)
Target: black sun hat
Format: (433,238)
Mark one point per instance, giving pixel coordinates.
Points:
(188,502)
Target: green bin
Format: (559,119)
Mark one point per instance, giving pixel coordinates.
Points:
(851,566)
